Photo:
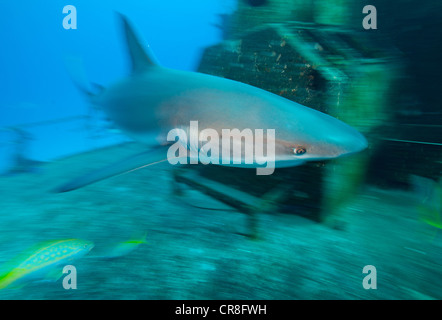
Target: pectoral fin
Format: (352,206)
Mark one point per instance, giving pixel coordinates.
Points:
(130,164)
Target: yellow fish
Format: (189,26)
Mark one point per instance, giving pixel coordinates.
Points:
(430,196)
(40,262)
(124,248)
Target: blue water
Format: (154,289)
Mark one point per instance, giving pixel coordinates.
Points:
(35,83)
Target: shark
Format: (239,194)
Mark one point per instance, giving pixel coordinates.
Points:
(153,100)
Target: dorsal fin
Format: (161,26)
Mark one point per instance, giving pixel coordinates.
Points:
(141,59)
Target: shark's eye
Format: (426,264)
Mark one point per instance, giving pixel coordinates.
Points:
(297,151)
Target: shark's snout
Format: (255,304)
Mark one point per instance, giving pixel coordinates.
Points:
(348,142)
(359,143)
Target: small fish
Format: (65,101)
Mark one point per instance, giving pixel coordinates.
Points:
(42,262)
(430,196)
(124,248)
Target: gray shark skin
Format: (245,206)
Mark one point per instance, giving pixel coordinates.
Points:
(153,100)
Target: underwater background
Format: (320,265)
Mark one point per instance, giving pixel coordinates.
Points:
(203,232)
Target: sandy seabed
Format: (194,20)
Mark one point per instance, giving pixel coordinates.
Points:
(193,253)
